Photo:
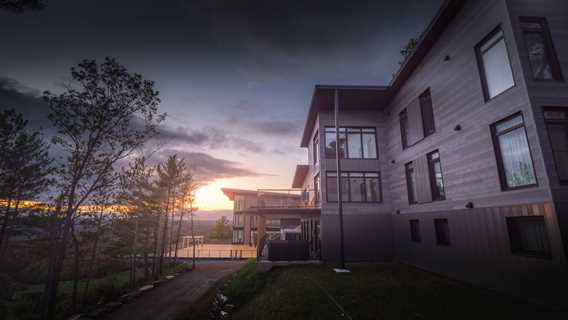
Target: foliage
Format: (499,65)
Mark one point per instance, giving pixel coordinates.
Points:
(19,6)
(222,229)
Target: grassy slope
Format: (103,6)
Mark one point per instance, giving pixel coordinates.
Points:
(370,292)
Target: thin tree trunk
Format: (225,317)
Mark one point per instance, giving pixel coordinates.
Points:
(3,233)
(164,233)
(156,247)
(192,237)
(178,235)
(133,254)
(146,248)
(75,270)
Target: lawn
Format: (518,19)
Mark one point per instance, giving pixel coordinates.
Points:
(385,291)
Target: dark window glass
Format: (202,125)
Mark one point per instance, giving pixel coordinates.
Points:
(355,143)
(403,117)
(542,56)
(513,153)
(355,186)
(415,231)
(427,113)
(315,151)
(436,179)
(410,182)
(316,195)
(528,235)
(557,125)
(494,64)
(442,232)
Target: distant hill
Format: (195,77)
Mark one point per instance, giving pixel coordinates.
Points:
(214,215)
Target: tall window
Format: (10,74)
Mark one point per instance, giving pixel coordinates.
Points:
(427,113)
(436,179)
(403,118)
(513,154)
(317,188)
(354,143)
(415,230)
(410,182)
(442,232)
(557,125)
(542,56)
(355,187)
(528,236)
(494,64)
(315,151)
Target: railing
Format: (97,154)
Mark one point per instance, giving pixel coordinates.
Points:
(288,198)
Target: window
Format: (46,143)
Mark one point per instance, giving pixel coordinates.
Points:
(410,182)
(315,151)
(513,154)
(436,179)
(355,143)
(494,64)
(542,55)
(527,235)
(442,232)
(415,230)
(557,125)
(316,188)
(427,113)
(403,118)
(355,187)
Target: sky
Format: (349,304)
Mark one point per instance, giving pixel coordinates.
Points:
(235,77)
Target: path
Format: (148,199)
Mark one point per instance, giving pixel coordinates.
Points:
(171,298)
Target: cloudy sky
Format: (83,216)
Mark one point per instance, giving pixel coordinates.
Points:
(235,76)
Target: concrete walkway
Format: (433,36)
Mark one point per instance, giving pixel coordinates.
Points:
(173,297)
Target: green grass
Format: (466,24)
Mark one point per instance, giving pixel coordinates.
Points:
(385,291)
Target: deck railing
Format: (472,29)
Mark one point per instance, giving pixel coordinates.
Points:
(288,198)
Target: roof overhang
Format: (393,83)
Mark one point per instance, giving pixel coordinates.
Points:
(348,97)
(300,175)
(230,193)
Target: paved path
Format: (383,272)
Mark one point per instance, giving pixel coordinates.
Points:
(171,298)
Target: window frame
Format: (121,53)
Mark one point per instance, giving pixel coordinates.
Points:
(409,190)
(551,53)
(516,249)
(346,132)
(364,177)
(403,115)
(315,146)
(415,234)
(428,93)
(432,175)
(439,240)
(481,65)
(552,121)
(499,156)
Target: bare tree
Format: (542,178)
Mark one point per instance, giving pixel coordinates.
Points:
(101,118)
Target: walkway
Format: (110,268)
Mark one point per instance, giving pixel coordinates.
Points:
(171,298)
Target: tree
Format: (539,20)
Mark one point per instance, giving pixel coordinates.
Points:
(102,117)
(187,199)
(222,229)
(25,167)
(20,6)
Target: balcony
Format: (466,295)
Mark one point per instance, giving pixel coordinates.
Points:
(288,199)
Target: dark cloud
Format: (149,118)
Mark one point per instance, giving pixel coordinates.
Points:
(211,137)
(208,168)
(28,101)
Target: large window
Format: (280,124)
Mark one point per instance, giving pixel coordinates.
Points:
(427,113)
(410,182)
(355,186)
(436,179)
(442,232)
(513,154)
(542,56)
(557,125)
(494,64)
(527,235)
(354,143)
(403,118)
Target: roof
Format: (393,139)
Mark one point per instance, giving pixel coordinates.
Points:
(351,97)
(230,192)
(300,175)
(379,96)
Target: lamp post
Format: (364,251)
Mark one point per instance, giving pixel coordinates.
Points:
(339,191)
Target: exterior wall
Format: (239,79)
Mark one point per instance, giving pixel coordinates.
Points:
(547,93)
(480,251)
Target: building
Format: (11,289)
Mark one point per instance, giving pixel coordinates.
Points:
(460,164)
